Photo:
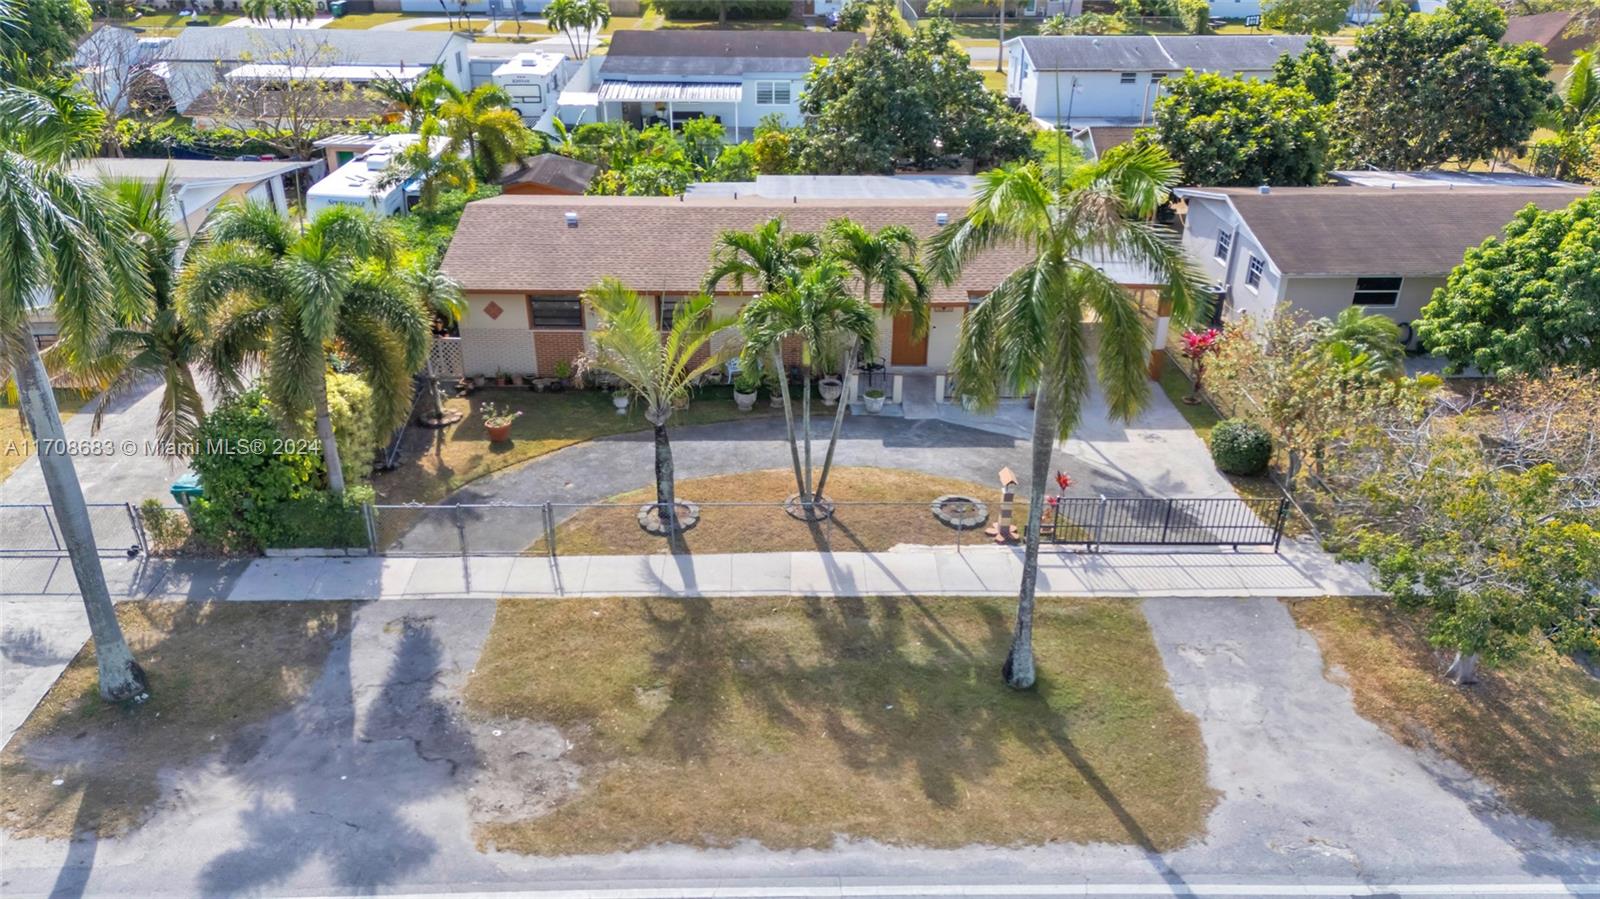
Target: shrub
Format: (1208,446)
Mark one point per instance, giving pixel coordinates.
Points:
(354,429)
(1241,447)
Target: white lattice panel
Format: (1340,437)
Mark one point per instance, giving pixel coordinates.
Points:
(491,351)
(446,357)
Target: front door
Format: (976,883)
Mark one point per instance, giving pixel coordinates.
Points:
(907,350)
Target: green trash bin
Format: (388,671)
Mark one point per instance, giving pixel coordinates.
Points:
(337,8)
(186,490)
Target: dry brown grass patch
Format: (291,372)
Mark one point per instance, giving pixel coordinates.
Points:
(214,668)
(793,721)
(1532,728)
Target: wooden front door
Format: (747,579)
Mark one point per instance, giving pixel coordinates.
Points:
(907,350)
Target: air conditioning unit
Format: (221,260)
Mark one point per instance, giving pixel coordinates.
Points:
(377,162)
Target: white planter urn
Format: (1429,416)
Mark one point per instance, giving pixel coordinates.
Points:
(873,401)
(620,401)
(745,401)
(831,389)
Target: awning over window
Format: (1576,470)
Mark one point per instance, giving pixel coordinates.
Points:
(668,92)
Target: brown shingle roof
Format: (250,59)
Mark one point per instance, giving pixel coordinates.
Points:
(550,170)
(1541,28)
(1371,231)
(522,243)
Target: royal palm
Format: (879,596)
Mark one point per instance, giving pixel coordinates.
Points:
(1031,332)
(278,298)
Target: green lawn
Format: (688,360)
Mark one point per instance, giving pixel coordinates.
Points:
(360,20)
(14,443)
(435,463)
(1531,728)
(798,721)
(169,24)
(986,32)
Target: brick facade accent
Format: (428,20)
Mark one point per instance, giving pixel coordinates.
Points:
(553,347)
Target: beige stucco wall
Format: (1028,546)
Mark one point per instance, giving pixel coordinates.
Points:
(1327,297)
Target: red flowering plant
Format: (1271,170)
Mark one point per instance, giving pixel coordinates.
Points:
(1197,345)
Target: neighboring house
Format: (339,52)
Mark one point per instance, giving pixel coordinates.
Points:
(736,77)
(1095,140)
(879,188)
(524,261)
(547,173)
(359,181)
(201,60)
(1115,79)
(1554,31)
(1324,249)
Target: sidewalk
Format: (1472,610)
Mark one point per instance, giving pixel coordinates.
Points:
(1295,571)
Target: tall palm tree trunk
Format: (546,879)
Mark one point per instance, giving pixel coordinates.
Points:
(666,498)
(806,495)
(999,59)
(121,678)
(788,420)
(838,418)
(330,449)
(1018,671)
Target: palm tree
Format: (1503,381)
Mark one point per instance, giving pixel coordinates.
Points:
(433,171)
(263,10)
(815,308)
(578,20)
(441,296)
(1570,152)
(485,124)
(159,341)
(1373,341)
(628,344)
(419,97)
(59,243)
(886,259)
(280,299)
(1029,332)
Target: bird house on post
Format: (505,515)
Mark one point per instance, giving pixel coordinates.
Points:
(1002,530)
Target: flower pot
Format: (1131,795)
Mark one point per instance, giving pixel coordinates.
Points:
(745,401)
(498,433)
(831,389)
(620,401)
(873,403)
(775,401)
(479,380)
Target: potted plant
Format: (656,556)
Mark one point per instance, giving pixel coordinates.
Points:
(563,370)
(831,388)
(478,380)
(497,421)
(619,399)
(745,385)
(502,379)
(874,400)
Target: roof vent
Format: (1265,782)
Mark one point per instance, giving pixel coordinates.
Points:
(1265,189)
(572,219)
(941,218)
(377,162)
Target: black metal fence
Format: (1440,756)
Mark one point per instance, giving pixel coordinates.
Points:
(1150,521)
(31,529)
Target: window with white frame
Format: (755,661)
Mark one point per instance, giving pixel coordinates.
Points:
(774,93)
(1130,77)
(1224,244)
(1376,292)
(1252,275)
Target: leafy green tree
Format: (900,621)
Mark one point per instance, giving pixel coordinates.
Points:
(1229,131)
(279,299)
(579,20)
(60,240)
(774,146)
(1195,16)
(1316,70)
(1422,90)
(42,34)
(885,259)
(1030,333)
(159,341)
(661,372)
(703,140)
(1305,16)
(290,10)
(815,310)
(1524,302)
(905,98)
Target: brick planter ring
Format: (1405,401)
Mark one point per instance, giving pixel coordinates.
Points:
(961,512)
(650,521)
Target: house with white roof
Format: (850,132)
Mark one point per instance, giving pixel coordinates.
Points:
(672,76)
(1116,79)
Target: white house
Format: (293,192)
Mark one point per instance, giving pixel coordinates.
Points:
(735,77)
(360,182)
(1116,79)
(1383,243)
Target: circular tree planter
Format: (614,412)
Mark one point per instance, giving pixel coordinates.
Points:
(650,517)
(962,512)
(821,508)
(450,417)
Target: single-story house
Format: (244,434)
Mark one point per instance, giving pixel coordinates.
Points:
(736,77)
(200,60)
(1325,249)
(1115,79)
(1557,32)
(523,262)
(547,173)
(359,182)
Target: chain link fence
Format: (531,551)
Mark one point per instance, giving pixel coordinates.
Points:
(33,529)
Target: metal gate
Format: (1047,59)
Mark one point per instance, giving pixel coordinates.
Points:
(1150,521)
(32,529)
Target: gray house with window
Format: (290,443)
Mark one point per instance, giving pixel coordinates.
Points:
(1325,249)
(736,77)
